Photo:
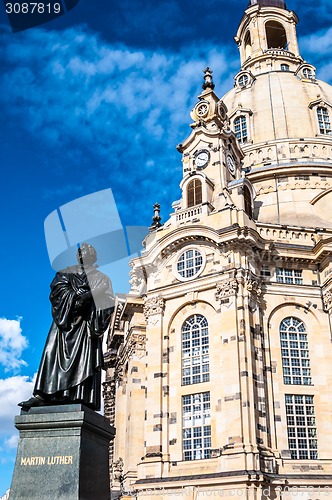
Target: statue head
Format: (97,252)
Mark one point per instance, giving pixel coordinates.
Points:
(86,255)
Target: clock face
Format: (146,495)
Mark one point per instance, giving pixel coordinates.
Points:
(231,164)
(202,158)
(202,109)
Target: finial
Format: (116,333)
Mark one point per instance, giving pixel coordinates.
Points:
(208,83)
(269,3)
(156,217)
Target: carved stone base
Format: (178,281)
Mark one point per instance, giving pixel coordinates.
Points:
(62,454)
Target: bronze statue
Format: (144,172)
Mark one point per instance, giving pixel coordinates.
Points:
(70,368)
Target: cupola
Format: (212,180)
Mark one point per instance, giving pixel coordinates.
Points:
(267,33)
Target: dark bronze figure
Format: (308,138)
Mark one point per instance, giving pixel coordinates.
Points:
(70,368)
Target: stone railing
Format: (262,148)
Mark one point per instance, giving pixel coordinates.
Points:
(302,236)
(189,213)
(286,152)
(280,52)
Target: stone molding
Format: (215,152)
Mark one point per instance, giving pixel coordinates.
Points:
(109,388)
(254,288)
(226,289)
(230,287)
(137,281)
(156,305)
(327,299)
(135,346)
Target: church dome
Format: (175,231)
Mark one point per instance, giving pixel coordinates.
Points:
(282,117)
(280,105)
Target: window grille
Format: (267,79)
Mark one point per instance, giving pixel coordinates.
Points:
(194,193)
(196,426)
(195,350)
(189,263)
(265,272)
(301,426)
(324,121)
(243,80)
(308,73)
(241,129)
(295,352)
(289,276)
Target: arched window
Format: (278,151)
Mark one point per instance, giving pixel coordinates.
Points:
(241,129)
(324,120)
(247,45)
(295,352)
(195,350)
(194,192)
(284,67)
(247,201)
(276,35)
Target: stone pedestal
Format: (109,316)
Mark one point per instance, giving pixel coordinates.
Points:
(62,454)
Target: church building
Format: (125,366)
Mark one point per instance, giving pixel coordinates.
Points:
(219,362)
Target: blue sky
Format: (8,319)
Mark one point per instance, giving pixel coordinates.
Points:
(94,100)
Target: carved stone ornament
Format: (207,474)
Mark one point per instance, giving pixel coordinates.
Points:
(109,388)
(119,373)
(327,298)
(137,281)
(110,358)
(254,288)
(156,305)
(135,346)
(117,469)
(226,289)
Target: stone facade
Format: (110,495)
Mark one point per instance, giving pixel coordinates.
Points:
(218,378)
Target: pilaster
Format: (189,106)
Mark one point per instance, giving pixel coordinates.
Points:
(155,389)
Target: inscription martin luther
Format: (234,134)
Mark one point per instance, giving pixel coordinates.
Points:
(55,460)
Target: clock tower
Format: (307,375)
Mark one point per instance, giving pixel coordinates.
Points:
(211,158)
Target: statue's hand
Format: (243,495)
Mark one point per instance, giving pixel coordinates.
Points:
(83,300)
(85,297)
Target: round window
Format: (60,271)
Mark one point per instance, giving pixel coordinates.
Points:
(190,264)
(243,80)
(308,73)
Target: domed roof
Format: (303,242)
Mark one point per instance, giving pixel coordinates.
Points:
(269,3)
(281,105)
(284,114)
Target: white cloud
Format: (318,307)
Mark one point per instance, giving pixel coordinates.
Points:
(318,43)
(12,391)
(325,73)
(12,442)
(316,48)
(71,85)
(83,96)
(12,343)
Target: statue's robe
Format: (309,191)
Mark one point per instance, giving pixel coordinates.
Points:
(70,368)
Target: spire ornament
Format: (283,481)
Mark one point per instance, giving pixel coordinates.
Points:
(208,82)
(156,218)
